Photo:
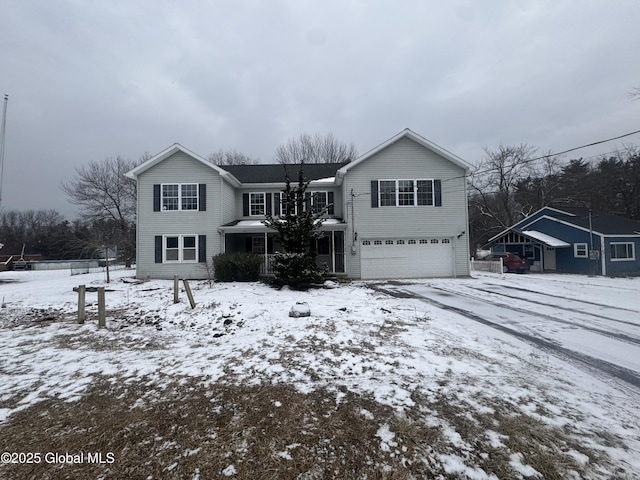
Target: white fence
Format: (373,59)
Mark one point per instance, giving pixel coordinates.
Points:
(494,266)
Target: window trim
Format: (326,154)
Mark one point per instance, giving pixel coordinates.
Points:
(258,245)
(581,246)
(383,195)
(180,197)
(181,248)
(252,203)
(623,259)
(314,198)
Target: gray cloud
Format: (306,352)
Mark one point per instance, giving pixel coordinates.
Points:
(90,80)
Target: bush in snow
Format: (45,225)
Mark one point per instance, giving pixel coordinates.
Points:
(237,267)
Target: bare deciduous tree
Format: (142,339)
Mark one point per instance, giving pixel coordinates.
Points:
(495,180)
(104,194)
(315,149)
(231,157)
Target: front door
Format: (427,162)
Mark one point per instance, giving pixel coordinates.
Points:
(549,258)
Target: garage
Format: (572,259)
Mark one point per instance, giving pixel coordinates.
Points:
(406,258)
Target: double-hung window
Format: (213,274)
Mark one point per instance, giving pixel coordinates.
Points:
(256,204)
(319,201)
(622,251)
(387,193)
(180,196)
(405,192)
(580,250)
(180,248)
(424,192)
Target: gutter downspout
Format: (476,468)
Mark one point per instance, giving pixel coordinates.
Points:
(222,233)
(603,251)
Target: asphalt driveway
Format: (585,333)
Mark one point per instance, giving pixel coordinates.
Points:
(583,329)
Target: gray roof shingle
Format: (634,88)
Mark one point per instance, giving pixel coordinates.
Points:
(275,173)
(602,222)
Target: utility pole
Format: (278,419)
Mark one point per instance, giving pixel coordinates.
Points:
(593,255)
(2,133)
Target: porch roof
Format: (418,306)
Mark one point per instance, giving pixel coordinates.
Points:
(256,226)
(545,239)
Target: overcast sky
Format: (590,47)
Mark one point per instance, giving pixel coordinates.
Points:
(89,80)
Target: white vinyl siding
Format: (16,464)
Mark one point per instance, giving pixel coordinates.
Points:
(180,168)
(406,160)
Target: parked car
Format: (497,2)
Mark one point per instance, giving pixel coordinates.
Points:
(512,262)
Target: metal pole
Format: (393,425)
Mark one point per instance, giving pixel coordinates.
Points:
(2,135)
(592,259)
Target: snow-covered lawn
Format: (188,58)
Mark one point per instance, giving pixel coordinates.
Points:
(433,394)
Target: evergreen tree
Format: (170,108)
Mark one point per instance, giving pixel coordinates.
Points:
(298,228)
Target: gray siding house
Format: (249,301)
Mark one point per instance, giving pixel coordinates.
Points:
(398,211)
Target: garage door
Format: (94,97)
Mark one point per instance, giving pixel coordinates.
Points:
(406,258)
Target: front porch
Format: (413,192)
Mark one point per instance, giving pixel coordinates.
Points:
(540,249)
(254,237)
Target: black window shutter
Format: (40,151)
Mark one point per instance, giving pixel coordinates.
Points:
(374,194)
(330,209)
(268,203)
(202,194)
(202,248)
(248,244)
(156,197)
(158,248)
(276,204)
(245,204)
(437,191)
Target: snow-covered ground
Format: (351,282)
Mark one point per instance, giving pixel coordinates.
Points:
(357,337)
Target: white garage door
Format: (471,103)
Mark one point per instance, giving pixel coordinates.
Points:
(406,258)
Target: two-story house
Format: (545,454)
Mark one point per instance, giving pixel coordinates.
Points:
(398,211)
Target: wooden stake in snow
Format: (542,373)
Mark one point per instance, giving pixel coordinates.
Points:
(176,286)
(187,289)
(101,307)
(82,289)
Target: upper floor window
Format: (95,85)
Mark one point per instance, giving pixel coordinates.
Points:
(180,196)
(319,201)
(257,203)
(405,192)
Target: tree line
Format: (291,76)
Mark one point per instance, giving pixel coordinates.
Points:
(512,182)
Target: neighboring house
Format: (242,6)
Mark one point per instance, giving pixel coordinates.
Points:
(574,240)
(398,211)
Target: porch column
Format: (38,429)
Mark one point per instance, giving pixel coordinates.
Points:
(266,254)
(333,252)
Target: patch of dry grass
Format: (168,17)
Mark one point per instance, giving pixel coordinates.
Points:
(191,429)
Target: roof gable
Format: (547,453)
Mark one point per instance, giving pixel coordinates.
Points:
(408,133)
(601,223)
(168,152)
